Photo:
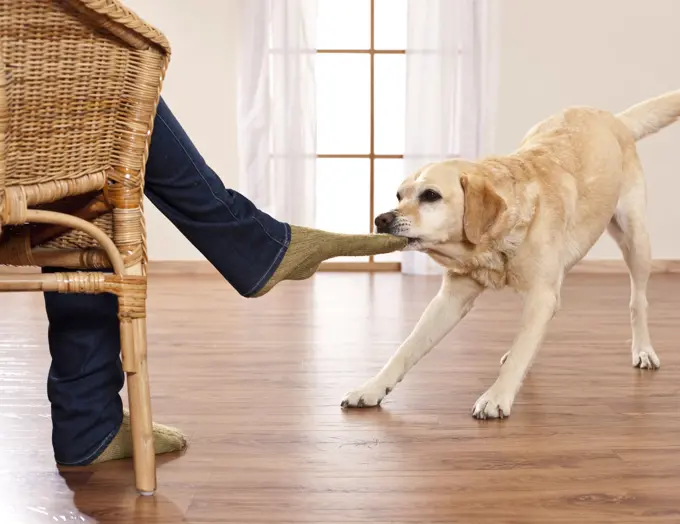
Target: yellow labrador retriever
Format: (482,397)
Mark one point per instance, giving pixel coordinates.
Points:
(523,221)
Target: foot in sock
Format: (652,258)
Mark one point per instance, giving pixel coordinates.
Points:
(308,248)
(165,440)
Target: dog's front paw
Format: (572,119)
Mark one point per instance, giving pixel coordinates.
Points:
(369,395)
(495,403)
(645,358)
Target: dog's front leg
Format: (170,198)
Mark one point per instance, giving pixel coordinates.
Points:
(540,305)
(455,298)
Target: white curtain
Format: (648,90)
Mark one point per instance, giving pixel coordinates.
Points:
(451,63)
(277,107)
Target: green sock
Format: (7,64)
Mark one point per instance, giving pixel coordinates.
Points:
(165,440)
(310,247)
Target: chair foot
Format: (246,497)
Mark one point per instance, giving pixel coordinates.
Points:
(146,493)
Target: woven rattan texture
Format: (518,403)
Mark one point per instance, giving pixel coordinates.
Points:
(81,83)
(64,87)
(77,239)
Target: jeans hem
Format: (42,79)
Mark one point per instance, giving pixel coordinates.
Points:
(95,454)
(273,267)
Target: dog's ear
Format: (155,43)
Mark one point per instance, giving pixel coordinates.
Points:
(483,207)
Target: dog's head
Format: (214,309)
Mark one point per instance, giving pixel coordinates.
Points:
(444,203)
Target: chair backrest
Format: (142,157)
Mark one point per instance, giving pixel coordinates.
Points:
(81,83)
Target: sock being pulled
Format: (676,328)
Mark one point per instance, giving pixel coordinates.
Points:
(308,248)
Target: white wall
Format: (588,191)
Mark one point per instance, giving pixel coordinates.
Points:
(200,88)
(605,53)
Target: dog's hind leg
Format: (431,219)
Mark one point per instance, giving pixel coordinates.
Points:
(628,228)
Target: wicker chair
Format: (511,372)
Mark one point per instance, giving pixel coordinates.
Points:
(80,81)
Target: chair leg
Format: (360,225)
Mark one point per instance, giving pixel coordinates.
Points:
(133,331)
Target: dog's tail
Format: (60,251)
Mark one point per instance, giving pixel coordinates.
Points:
(652,115)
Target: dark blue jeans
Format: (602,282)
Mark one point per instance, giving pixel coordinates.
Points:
(243,243)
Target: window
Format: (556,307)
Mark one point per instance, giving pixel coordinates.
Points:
(361,92)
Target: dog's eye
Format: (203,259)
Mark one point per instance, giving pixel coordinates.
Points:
(398,197)
(430,196)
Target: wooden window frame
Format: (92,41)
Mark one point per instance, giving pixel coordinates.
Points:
(372,265)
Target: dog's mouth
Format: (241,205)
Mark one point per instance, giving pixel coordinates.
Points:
(413,244)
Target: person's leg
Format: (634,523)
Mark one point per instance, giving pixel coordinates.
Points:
(242,242)
(85,379)
(85,376)
(252,250)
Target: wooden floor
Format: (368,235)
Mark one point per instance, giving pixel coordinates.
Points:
(257,386)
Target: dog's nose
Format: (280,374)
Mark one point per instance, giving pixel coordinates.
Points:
(383,222)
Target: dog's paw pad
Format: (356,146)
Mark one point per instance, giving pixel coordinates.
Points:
(492,405)
(367,396)
(646,359)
